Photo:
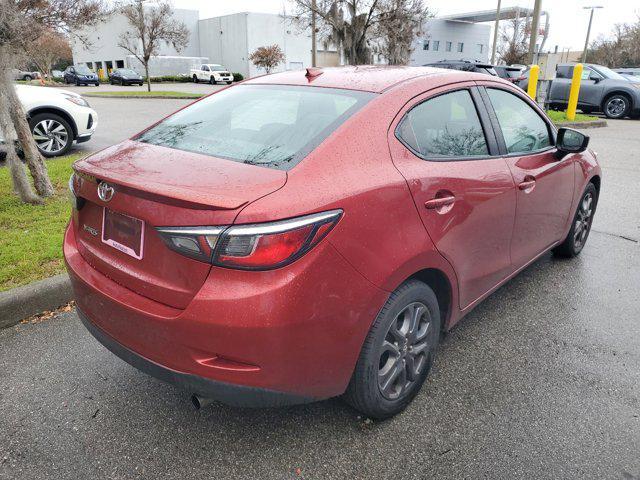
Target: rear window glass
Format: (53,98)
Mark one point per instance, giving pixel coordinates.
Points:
(273,126)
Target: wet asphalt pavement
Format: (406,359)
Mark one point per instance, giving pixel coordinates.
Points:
(542,380)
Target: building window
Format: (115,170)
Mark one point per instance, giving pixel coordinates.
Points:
(460,47)
(119,63)
(448,46)
(90,65)
(436,45)
(425,45)
(480,48)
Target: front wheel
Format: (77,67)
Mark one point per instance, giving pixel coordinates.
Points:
(27,78)
(398,352)
(195,79)
(581,226)
(616,106)
(52,133)
(212,81)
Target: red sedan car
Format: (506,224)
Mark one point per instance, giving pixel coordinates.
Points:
(302,236)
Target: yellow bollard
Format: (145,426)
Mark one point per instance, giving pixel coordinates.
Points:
(534,73)
(574,92)
(101,74)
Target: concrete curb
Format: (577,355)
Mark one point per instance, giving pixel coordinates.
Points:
(592,124)
(175,97)
(22,302)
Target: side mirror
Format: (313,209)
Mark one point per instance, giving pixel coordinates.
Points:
(570,141)
(596,79)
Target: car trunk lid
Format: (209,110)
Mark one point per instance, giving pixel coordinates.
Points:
(160,187)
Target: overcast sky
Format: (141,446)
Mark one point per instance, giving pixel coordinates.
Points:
(568,20)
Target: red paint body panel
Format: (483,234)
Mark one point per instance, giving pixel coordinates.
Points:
(299,328)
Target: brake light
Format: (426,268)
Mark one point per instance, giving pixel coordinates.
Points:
(262,246)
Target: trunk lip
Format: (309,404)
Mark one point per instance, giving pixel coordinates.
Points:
(177,193)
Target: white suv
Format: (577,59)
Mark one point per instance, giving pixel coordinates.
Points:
(57,118)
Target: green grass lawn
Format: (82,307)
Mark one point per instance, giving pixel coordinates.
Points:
(31,236)
(561,117)
(144,93)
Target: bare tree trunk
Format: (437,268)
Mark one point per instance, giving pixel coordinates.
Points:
(32,156)
(146,71)
(21,185)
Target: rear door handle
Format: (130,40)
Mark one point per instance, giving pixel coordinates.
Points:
(439,202)
(526,185)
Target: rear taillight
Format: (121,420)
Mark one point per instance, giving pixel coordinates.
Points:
(261,246)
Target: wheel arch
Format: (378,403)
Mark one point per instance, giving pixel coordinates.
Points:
(439,282)
(596,182)
(56,111)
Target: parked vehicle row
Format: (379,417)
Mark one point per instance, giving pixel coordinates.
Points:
(614,93)
(199,253)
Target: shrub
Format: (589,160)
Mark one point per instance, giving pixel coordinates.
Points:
(237,77)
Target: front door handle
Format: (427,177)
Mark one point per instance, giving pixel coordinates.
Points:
(439,202)
(527,185)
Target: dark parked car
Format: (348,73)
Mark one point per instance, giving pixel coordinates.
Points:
(465,66)
(511,74)
(81,75)
(601,90)
(125,76)
(199,253)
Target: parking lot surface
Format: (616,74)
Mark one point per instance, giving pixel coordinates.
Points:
(542,380)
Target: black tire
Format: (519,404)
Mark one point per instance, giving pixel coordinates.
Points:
(27,78)
(616,106)
(97,84)
(77,83)
(212,80)
(229,83)
(195,79)
(36,119)
(366,391)
(580,227)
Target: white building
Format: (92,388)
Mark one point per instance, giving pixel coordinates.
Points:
(227,40)
(448,39)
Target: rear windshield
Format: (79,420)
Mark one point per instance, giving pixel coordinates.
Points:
(273,126)
(513,73)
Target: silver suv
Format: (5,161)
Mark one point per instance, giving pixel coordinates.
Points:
(601,90)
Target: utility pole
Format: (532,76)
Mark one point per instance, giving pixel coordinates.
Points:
(495,34)
(586,42)
(314,48)
(533,38)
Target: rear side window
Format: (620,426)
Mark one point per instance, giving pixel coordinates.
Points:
(523,129)
(443,127)
(273,126)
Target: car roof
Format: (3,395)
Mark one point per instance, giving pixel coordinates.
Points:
(368,78)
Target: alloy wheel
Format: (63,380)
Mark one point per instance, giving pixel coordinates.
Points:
(406,350)
(616,107)
(50,136)
(583,221)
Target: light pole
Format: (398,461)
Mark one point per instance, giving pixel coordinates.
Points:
(495,35)
(586,42)
(534,31)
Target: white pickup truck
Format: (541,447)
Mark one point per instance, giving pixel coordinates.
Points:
(212,73)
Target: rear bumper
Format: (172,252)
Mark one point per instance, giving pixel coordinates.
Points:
(290,335)
(237,395)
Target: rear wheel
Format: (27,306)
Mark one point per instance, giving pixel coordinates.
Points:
(28,78)
(398,352)
(581,226)
(52,133)
(616,106)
